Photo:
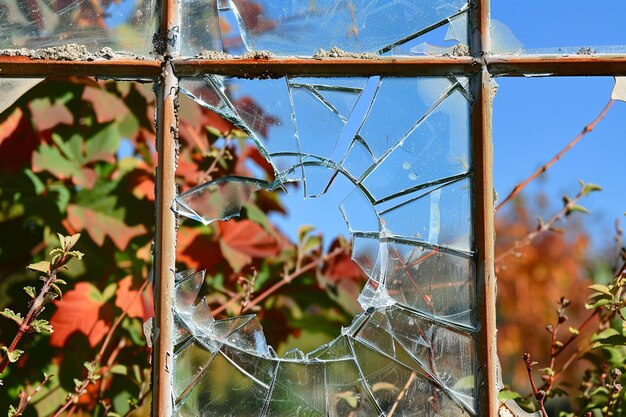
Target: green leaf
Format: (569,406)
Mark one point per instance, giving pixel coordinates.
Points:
(109,291)
(574,331)
(12,411)
(589,188)
(77,254)
(41,326)
(505,395)
(303,231)
(604,334)
(61,240)
(57,290)
(41,266)
(78,383)
(602,289)
(31,291)
(599,303)
(577,208)
(119,369)
(14,355)
(10,314)
(90,367)
(312,243)
(37,183)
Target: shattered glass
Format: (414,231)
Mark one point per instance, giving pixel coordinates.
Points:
(323,28)
(77,28)
(403,146)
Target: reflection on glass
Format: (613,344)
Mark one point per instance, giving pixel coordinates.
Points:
(125,25)
(402,147)
(305,27)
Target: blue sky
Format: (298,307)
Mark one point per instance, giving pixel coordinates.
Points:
(534,118)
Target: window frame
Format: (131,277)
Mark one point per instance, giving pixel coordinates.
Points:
(480,66)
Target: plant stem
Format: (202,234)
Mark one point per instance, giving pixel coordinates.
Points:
(35,309)
(558,156)
(539,395)
(544,227)
(285,280)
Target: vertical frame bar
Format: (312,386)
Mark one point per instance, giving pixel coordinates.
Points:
(484,239)
(166,43)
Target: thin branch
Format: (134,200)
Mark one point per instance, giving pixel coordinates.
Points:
(540,395)
(402,394)
(25,399)
(543,227)
(558,156)
(107,340)
(39,302)
(288,278)
(285,280)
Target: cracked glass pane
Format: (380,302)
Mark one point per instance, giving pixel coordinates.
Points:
(585,31)
(390,156)
(325,28)
(77,30)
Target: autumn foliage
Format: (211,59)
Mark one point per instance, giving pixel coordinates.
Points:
(78,156)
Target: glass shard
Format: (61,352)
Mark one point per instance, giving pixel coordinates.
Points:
(441,217)
(304,28)
(125,25)
(405,197)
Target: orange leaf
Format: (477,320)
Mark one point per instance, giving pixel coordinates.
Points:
(99,225)
(46,115)
(107,106)
(136,304)
(10,124)
(243,240)
(81,310)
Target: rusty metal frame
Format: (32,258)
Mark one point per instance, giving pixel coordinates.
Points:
(480,66)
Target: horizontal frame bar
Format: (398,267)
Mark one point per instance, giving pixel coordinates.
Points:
(278,67)
(22,66)
(498,65)
(555,65)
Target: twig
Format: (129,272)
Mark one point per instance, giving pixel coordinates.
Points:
(543,227)
(558,156)
(82,388)
(107,340)
(26,399)
(39,301)
(540,395)
(288,278)
(402,394)
(285,280)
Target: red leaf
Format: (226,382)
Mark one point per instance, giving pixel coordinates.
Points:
(18,141)
(342,267)
(248,237)
(106,105)
(46,115)
(136,304)
(80,311)
(100,225)
(197,250)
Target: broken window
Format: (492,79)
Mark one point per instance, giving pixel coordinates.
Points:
(403,144)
